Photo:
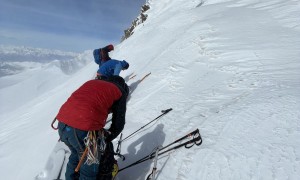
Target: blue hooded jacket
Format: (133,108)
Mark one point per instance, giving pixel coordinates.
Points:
(112,67)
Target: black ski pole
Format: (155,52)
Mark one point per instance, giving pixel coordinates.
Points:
(61,168)
(118,151)
(196,132)
(119,144)
(197,139)
(163,113)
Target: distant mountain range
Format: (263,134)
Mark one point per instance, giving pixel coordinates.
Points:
(15,59)
(19,54)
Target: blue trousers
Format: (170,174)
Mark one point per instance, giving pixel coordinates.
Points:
(73,138)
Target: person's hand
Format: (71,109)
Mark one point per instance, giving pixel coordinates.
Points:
(107,135)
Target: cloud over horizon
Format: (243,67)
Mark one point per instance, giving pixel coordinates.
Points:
(65,24)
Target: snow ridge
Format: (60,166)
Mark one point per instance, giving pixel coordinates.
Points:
(227,67)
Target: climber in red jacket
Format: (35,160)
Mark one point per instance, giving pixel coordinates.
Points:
(84,114)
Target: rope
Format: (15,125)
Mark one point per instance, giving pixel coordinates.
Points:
(96,146)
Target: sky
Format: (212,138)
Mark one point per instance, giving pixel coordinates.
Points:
(65,24)
(229,68)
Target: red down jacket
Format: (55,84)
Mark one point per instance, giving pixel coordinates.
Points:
(88,107)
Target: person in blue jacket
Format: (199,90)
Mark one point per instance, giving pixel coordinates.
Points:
(111,67)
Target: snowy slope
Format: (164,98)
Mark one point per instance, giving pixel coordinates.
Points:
(227,67)
(30,77)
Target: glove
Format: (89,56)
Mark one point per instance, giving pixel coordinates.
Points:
(108,136)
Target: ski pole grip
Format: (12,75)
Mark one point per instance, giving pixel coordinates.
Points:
(167,110)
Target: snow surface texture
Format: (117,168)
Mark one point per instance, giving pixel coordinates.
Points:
(227,67)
